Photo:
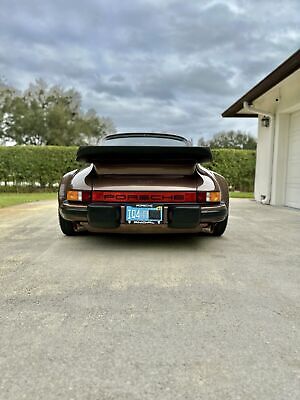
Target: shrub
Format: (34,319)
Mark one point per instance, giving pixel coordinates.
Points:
(237,166)
(35,168)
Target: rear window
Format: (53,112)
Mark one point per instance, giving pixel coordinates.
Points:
(145,141)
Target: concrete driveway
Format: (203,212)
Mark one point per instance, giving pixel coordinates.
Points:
(127,317)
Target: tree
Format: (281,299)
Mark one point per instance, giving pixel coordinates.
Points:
(202,142)
(43,115)
(231,139)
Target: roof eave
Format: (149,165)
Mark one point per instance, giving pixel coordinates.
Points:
(284,70)
(240,115)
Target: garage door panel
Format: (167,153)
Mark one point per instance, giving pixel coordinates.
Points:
(293,179)
(292,196)
(294,144)
(295,120)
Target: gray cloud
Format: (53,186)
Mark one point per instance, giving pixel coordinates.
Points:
(150,64)
(118,88)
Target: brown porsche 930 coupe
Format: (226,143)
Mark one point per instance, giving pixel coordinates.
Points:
(143,183)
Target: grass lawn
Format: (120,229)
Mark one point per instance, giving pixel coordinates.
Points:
(11,199)
(241,195)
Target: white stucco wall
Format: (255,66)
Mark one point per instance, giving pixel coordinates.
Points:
(273,142)
(263,171)
(279,169)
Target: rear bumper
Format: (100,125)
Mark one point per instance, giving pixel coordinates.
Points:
(111,217)
(73,212)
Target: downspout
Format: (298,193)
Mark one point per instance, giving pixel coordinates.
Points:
(254,110)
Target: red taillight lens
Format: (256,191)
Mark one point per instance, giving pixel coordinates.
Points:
(143,197)
(201,197)
(209,197)
(86,195)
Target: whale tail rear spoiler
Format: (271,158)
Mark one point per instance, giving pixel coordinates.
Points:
(144,154)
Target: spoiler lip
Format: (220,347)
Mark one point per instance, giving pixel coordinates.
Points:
(144,154)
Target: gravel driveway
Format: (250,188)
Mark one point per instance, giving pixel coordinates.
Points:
(145,317)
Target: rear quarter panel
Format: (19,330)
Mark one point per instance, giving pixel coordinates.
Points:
(223,188)
(76,179)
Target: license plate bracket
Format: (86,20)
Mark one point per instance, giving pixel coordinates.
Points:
(144,214)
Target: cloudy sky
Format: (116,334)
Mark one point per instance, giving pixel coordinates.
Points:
(165,65)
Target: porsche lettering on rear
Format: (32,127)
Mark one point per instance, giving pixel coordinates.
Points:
(144,197)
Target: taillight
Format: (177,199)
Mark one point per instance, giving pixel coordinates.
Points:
(83,196)
(209,197)
(86,196)
(143,197)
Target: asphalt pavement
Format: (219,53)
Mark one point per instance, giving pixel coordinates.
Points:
(150,317)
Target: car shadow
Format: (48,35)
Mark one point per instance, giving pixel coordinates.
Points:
(126,241)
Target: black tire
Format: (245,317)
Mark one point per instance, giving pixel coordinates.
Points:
(67,227)
(219,228)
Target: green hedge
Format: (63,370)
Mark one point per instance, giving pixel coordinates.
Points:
(237,166)
(26,168)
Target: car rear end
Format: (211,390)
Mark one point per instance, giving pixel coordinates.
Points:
(141,212)
(141,194)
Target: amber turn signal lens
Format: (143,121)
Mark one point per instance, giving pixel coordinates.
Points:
(74,195)
(79,195)
(213,197)
(208,197)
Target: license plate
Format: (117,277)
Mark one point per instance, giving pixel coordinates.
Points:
(144,214)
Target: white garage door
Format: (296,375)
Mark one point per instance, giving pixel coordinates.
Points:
(292,197)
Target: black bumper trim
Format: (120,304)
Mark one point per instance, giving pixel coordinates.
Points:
(103,216)
(192,216)
(74,213)
(213,213)
(109,215)
(184,217)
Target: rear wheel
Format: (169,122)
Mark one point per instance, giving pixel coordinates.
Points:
(67,227)
(219,228)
